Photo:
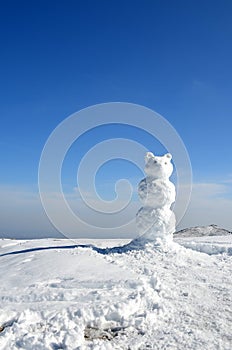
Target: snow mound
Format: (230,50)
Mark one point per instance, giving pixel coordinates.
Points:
(208,244)
(199,231)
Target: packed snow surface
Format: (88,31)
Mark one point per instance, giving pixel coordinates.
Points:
(60,294)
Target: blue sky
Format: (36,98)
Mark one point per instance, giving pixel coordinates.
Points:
(58,57)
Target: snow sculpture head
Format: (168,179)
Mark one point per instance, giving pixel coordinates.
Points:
(158,167)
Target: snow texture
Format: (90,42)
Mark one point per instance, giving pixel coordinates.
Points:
(155,220)
(55,294)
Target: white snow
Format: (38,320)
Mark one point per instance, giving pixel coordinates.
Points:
(155,220)
(208,244)
(60,294)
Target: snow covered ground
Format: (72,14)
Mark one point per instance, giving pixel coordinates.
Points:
(60,294)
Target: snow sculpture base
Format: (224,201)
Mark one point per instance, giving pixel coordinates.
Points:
(155,220)
(156,223)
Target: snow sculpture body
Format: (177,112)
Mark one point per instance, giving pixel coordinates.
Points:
(155,220)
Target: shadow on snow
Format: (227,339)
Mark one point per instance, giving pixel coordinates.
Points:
(135,244)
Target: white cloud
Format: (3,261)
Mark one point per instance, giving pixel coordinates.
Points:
(22,215)
(210,204)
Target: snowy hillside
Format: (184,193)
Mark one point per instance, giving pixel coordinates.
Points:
(60,294)
(199,231)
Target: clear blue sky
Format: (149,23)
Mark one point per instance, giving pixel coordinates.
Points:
(60,56)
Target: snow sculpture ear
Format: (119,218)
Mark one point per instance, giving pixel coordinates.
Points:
(169,156)
(148,156)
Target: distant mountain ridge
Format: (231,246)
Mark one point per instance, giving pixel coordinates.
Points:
(200,231)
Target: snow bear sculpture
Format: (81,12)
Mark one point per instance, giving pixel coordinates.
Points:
(157,193)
